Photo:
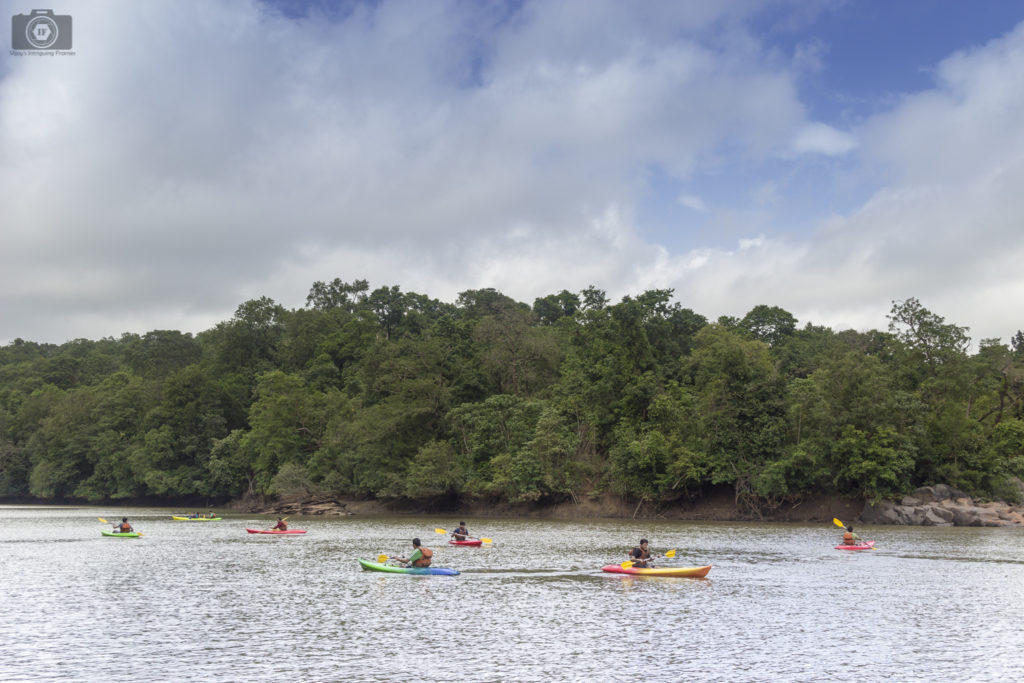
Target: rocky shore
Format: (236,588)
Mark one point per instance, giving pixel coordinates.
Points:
(307,505)
(941,505)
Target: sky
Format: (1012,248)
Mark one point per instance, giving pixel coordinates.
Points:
(826,157)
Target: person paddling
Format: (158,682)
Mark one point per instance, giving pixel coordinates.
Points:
(461,533)
(420,557)
(850,538)
(640,555)
(123,527)
(280,526)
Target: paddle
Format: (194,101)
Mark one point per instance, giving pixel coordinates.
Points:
(629,563)
(843,526)
(442,531)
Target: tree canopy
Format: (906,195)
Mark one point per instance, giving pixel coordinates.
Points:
(390,394)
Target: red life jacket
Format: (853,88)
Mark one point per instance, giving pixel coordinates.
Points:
(124,528)
(424,561)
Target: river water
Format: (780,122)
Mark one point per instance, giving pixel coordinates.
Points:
(208,602)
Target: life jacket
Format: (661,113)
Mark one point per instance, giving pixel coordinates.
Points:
(424,561)
(848,538)
(641,554)
(282,525)
(124,528)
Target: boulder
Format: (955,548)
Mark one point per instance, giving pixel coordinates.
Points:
(882,512)
(931,517)
(910,500)
(926,494)
(964,515)
(1013,517)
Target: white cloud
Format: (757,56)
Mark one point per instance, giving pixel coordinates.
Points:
(694,202)
(819,138)
(192,155)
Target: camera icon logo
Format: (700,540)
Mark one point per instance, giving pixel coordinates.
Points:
(41,30)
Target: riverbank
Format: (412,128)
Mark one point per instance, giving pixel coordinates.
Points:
(720,506)
(938,505)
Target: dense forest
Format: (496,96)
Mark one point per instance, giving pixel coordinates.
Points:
(393,395)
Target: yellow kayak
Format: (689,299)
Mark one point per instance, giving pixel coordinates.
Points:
(195,519)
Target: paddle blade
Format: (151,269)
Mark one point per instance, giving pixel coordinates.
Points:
(671,553)
(382,559)
(838,523)
(103,520)
(627,564)
(440,531)
(486,540)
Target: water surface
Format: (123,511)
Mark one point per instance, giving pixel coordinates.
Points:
(205,601)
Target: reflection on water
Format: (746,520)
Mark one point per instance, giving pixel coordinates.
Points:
(208,602)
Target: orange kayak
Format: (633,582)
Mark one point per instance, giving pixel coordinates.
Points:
(693,572)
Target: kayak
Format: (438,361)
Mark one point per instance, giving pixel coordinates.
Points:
(392,569)
(118,534)
(276,531)
(195,519)
(466,542)
(694,572)
(866,545)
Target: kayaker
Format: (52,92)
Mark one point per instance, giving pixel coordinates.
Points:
(280,526)
(850,538)
(640,555)
(461,533)
(124,527)
(420,557)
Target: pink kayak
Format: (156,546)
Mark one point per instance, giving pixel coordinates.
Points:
(276,531)
(866,545)
(467,542)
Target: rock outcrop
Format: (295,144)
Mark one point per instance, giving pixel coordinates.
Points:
(942,505)
(306,505)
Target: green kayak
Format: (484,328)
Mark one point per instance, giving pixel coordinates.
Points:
(118,534)
(392,569)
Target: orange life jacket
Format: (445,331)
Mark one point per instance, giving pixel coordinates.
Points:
(424,561)
(848,538)
(124,528)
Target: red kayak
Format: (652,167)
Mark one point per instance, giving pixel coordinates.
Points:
(867,545)
(276,531)
(467,542)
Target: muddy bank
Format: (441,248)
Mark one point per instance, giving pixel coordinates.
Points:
(937,505)
(720,505)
